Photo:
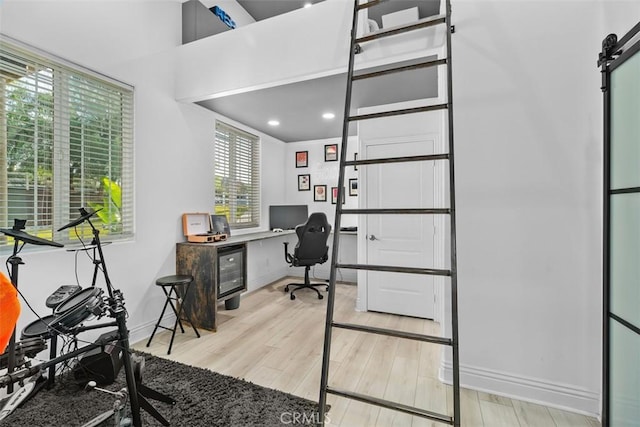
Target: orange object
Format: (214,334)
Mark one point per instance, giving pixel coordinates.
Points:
(197,228)
(9,310)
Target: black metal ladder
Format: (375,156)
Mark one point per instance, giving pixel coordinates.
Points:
(355,48)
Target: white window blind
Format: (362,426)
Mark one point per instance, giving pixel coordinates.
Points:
(237,176)
(66,142)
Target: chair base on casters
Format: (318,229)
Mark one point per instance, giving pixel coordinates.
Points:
(307,284)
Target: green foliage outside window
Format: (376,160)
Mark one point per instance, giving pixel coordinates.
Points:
(65,143)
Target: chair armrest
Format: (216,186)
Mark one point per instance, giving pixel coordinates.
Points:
(287,256)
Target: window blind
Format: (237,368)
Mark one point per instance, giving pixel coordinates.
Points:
(66,142)
(237,176)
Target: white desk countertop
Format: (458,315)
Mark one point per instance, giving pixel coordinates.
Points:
(260,235)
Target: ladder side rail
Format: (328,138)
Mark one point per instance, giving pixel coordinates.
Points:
(329,324)
(452,219)
(326,352)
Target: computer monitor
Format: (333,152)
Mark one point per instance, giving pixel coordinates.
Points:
(287,217)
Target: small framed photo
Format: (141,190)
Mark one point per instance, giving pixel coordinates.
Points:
(331,153)
(334,195)
(353,186)
(304,182)
(319,193)
(302,159)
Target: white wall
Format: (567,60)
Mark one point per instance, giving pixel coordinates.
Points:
(618,16)
(94,33)
(134,42)
(322,173)
(528,138)
(266,262)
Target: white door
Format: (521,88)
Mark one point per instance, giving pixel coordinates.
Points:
(405,240)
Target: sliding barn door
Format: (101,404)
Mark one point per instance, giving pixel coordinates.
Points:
(621,327)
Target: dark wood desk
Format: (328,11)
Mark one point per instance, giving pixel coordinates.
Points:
(201,261)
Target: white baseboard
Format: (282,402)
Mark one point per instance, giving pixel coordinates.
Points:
(543,392)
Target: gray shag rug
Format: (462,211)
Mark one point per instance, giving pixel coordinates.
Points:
(203,398)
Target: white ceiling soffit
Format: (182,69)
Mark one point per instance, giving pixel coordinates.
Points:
(299,106)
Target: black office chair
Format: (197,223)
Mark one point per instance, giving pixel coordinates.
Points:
(311,249)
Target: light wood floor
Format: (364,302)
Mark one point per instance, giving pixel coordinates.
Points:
(277,343)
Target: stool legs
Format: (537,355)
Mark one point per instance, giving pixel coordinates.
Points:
(181,311)
(158,322)
(174,290)
(178,312)
(178,322)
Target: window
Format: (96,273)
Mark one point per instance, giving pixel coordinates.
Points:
(237,176)
(66,142)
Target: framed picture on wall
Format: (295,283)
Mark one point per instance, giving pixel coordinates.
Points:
(319,193)
(304,182)
(302,159)
(331,153)
(353,186)
(334,195)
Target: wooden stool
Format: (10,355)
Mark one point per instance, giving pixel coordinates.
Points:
(171,285)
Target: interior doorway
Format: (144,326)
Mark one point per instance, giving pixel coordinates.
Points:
(402,240)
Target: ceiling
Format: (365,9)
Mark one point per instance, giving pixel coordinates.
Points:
(263,9)
(298,107)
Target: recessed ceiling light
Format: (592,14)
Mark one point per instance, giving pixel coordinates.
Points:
(328,116)
(273,123)
(307,4)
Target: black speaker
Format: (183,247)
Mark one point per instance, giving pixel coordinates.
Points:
(102,364)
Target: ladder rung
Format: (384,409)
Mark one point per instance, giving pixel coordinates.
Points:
(411,410)
(399,112)
(386,211)
(419,65)
(393,333)
(422,23)
(396,269)
(397,159)
(370,3)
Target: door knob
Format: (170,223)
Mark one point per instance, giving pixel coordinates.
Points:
(373,237)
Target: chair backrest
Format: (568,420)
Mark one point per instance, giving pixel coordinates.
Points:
(312,240)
